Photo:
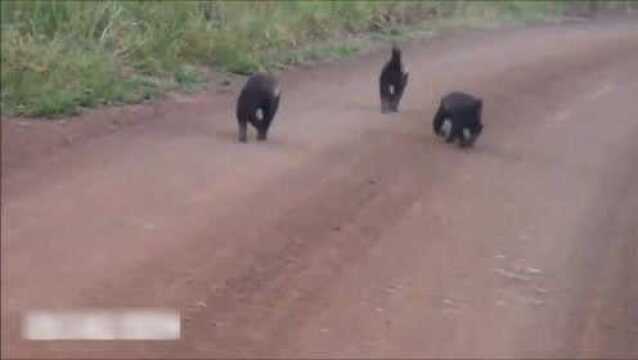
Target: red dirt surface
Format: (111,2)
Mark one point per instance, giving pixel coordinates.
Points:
(349,233)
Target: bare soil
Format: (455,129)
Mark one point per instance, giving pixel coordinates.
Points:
(349,233)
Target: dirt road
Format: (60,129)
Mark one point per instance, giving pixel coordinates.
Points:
(350,233)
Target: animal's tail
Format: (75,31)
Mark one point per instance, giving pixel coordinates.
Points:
(396,51)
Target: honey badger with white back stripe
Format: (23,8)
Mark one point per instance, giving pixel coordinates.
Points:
(459,117)
(257,104)
(392,82)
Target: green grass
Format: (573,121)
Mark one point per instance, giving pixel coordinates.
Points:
(59,56)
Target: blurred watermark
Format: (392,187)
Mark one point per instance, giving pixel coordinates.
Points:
(155,324)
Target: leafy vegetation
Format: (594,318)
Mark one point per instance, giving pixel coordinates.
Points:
(60,55)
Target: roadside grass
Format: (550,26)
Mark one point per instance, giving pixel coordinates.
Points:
(59,56)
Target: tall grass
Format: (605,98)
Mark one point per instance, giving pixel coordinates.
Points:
(58,55)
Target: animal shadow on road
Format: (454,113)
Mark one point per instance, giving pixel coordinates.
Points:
(481,149)
(363,107)
(229,136)
(376,109)
(493,151)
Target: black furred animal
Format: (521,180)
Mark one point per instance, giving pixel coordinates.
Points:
(392,82)
(459,118)
(257,104)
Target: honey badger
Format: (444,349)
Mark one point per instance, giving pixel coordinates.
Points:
(392,82)
(459,118)
(257,104)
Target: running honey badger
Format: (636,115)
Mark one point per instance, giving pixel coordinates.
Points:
(392,82)
(459,118)
(257,105)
